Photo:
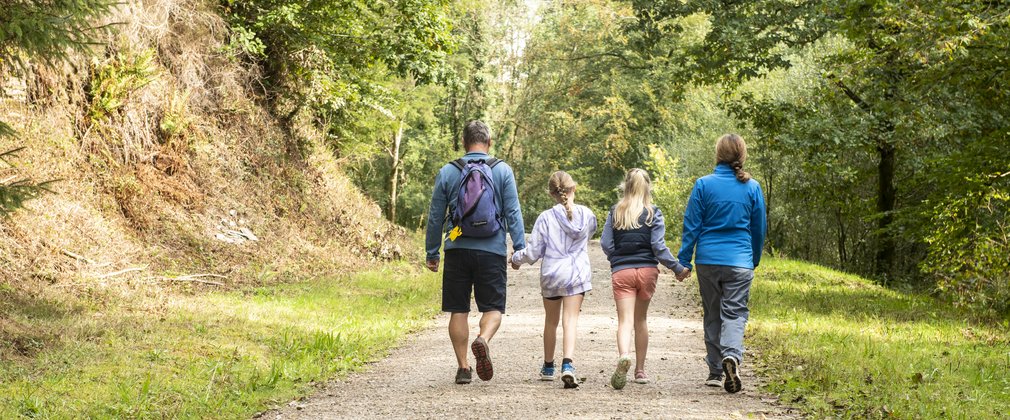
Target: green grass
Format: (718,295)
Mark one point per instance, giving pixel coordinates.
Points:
(222,355)
(836,345)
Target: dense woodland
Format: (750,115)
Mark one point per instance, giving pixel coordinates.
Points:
(878,128)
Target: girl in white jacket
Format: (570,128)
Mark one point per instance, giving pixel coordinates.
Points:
(560,236)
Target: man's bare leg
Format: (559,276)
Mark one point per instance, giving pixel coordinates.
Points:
(459,334)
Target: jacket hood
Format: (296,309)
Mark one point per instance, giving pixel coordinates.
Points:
(577,227)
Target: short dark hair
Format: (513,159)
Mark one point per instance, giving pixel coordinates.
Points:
(475,132)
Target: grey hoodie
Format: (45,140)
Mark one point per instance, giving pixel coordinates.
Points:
(561,243)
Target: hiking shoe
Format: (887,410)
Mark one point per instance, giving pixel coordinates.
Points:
(547,372)
(641,377)
(484,369)
(568,376)
(464,376)
(732,382)
(620,377)
(713,380)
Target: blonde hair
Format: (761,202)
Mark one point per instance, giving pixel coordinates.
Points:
(561,186)
(731,149)
(637,196)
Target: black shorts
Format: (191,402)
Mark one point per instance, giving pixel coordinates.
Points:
(469,270)
(559,297)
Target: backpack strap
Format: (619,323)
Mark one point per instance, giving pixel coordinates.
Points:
(461,164)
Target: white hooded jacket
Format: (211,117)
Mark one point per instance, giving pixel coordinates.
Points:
(562,244)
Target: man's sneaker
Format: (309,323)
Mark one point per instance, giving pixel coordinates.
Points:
(464,376)
(732,382)
(620,377)
(484,369)
(568,375)
(547,372)
(714,380)
(641,377)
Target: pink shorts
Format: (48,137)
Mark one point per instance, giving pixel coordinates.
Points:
(635,282)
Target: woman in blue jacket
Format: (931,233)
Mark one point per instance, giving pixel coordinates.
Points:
(724,229)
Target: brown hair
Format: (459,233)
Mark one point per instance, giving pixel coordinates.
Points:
(561,186)
(732,150)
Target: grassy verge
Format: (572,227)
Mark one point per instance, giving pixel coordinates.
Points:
(222,355)
(836,345)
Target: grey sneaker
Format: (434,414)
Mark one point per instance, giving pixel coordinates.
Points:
(464,376)
(714,380)
(732,382)
(620,377)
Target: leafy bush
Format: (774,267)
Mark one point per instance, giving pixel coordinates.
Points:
(968,251)
(669,190)
(114,79)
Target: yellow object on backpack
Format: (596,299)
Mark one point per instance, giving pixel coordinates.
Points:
(454,233)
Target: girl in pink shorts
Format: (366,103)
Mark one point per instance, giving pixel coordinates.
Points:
(633,239)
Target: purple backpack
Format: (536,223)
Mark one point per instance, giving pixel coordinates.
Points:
(476,212)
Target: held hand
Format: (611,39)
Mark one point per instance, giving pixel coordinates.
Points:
(684,275)
(513,263)
(432,265)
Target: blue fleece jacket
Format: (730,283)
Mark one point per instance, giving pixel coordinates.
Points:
(658,244)
(724,223)
(443,201)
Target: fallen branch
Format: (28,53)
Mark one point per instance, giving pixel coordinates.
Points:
(121,272)
(79,257)
(195,278)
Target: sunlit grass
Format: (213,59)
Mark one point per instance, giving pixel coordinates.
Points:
(835,344)
(222,355)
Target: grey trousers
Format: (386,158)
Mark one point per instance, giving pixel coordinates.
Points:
(724,294)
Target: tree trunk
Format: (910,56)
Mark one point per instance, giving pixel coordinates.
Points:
(842,254)
(886,193)
(394,179)
(454,121)
(770,178)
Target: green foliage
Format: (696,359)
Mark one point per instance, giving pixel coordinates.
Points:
(175,120)
(114,79)
(15,192)
(432,114)
(967,230)
(335,58)
(47,31)
(40,33)
(592,105)
(670,191)
(867,124)
(839,346)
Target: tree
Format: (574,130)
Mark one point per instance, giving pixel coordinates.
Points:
(43,32)
(880,70)
(332,58)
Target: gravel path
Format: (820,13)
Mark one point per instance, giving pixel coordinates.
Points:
(416,380)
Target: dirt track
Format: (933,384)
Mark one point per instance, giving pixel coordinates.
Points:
(416,380)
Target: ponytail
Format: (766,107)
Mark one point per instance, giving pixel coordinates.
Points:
(561,186)
(741,175)
(732,150)
(566,202)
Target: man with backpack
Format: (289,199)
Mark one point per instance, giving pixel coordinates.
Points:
(474,202)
